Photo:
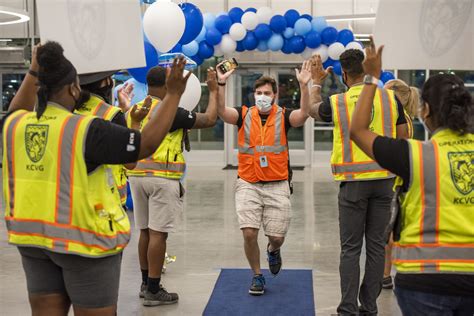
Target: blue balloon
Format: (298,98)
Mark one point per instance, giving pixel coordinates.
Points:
(202,35)
(329,35)
(337,67)
(286,49)
(307,17)
(276,42)
(191,49)
(278,24)
(386,76)
(213,36)
(178,48)
(235,15)
(313,39)
(262,46)
(291,17)
(151,56)
(240,46)
(251,10)
(263,32)
(297,44)
(197,59)
(289,33)
(328,63)
(345,37)
(250,41)
(223,24)
(302,27)
(194,22)
(209,20)
(319,24)
(205,50)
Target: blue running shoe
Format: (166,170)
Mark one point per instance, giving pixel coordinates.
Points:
(258,285)
(274,261)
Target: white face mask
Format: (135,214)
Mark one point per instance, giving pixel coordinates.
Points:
(263,102)
(422,121)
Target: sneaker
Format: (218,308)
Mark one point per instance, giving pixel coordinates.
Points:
(274,261)
(162,297)
(258,285)
(141,294)
(387,283)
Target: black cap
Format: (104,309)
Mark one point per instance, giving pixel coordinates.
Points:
(95,76)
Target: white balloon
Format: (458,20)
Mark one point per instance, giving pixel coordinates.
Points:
(237,32)
(264,15)
(228,45)
(192,93)
(307,53)
(164,24)
(218,50)
(354,45)
(335,50)
(250,20)
(322,51)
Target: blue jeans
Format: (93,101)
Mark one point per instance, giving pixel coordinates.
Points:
(414,303)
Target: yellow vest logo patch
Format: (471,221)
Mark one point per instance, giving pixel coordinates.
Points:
(36,138)
(462,170)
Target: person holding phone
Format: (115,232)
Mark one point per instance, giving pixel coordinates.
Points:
(434,246)
(262,192)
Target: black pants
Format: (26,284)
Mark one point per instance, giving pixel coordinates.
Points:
(364,210)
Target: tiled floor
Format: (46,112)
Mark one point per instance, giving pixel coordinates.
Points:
(209,239)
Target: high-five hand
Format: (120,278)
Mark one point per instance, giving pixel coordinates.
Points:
(373,59)
(212,80)
(175,82)
(318,74)
(304,76)
(125,95)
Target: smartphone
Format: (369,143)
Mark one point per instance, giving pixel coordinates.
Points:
(228,65)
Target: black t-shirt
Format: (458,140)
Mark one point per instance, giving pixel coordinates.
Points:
(325,112)
(393,155)
(183,119)
(264,119)
(108,142)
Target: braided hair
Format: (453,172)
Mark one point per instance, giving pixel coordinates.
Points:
(54,73)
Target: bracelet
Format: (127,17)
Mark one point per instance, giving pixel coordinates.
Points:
(316,85)
(33,73)
(221,84)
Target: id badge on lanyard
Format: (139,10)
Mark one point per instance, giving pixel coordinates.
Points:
(263,161)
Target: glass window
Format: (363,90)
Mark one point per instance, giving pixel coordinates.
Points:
(466,76)
(10,85)
(414,78)
(208,138)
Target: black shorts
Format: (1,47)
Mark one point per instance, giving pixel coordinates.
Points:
(88,282)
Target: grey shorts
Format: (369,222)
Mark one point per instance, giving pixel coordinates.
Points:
(88,282)
(157,203)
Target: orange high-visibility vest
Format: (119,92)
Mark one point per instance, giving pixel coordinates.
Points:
(268,142)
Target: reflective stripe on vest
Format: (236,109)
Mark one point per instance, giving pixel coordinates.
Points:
(349,166)
(159,166)
(245,149)
(10,144)
(66,233)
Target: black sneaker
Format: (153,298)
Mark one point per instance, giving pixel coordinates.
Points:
(274,261)
(258,285)
(143,287)
(162,297)
(387,283)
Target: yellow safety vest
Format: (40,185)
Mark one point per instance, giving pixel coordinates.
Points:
(51,201)
(99,108)
(168,160)
(349,162)
(437,233)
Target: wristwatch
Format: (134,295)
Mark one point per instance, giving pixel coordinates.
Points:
(368,79)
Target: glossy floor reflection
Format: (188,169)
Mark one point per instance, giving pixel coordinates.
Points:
(209,239)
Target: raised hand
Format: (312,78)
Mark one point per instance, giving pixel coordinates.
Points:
(318,74)
(222,77)
(139,114)
(212,80)
(373,59)
(304,76)
(124,96)
(175,82)
(34,61)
